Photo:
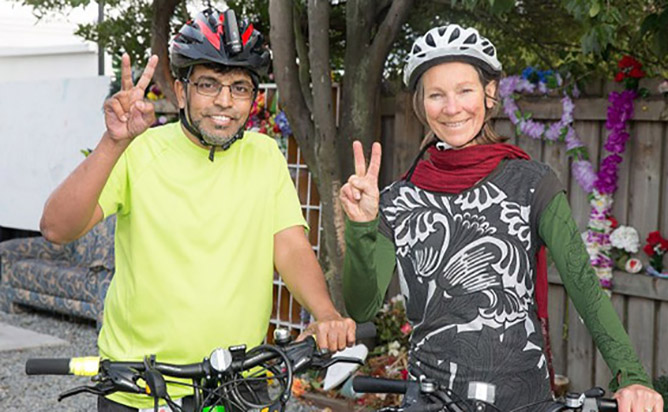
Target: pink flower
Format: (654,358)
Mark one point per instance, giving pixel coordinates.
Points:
(406,328)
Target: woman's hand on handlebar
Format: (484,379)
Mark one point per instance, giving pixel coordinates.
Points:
(638,398)
(334,333)
(126,114)
(359,197)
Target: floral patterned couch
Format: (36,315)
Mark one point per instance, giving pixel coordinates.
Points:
(71,279)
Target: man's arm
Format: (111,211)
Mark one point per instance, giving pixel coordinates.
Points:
(72,209)
(295,261)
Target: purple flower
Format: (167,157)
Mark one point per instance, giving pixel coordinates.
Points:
(532,129)
(507,86)
(282,122)
(572,141)
(542,88)
(583,171)
(617,142)
(607,174)
(568,107)
(553,131)
(510,109)
(523,85)
(606,283)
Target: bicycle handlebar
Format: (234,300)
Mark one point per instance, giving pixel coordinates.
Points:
(226,370)
(90,366)
(364,384)
(427,395)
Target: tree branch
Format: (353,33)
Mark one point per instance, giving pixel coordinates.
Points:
(162,13)
(323,112)
(286,73)
(387,32)
(359,19)
(302,54)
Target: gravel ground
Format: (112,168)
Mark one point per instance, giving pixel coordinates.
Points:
(21,393)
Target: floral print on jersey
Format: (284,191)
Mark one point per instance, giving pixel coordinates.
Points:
(466,268)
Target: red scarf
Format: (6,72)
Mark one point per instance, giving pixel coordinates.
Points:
(455,170)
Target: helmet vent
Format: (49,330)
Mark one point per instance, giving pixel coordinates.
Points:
(416,49)
(430,40)
(441,31)
(489,50)
(472,39)
(421,55)
(484,43)
(454,36)
(463,48)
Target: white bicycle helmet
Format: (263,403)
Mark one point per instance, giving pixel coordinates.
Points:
(449,43)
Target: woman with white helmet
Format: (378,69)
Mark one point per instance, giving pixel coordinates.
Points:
(463,228)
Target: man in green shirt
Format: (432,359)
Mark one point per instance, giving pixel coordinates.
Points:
(205,212)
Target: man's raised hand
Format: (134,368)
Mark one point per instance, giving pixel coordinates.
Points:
(126,114)
(359,197)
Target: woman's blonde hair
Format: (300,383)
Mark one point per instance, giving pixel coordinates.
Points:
(487,134)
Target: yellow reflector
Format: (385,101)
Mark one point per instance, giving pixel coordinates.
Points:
(86,366)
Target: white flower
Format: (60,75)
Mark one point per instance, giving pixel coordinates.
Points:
(397,298)
(600,202)
(625,238)
(663,87)
(393,348)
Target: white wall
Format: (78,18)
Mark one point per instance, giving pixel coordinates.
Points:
(46,48)
(50,107)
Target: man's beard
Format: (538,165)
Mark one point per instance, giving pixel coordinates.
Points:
(213,140)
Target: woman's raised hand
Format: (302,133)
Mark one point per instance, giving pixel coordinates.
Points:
(359,197)
(126,114)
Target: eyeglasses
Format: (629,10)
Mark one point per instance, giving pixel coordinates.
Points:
(239,90)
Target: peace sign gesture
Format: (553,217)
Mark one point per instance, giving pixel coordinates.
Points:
(126,114)
(359,197)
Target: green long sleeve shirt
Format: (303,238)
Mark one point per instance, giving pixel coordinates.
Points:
(370,261)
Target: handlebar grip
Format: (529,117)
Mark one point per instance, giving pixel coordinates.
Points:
(362,384)
(607,405)
(365,330)
(48,366)
(82,366)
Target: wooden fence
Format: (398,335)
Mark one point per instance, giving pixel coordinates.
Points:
(640,201)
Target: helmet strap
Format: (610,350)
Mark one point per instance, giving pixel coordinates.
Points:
(417,159)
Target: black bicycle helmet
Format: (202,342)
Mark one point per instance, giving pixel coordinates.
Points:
(216,37)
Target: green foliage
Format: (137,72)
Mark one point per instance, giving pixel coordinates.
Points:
(126,26)
(128,31)
(661,386)
(616,27)
(392,324)
(579,36)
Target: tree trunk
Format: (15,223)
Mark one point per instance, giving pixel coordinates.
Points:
(163,10)
(371,28)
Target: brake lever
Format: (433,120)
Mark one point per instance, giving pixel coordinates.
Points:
(324,364)
(95,390)
(122,378)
